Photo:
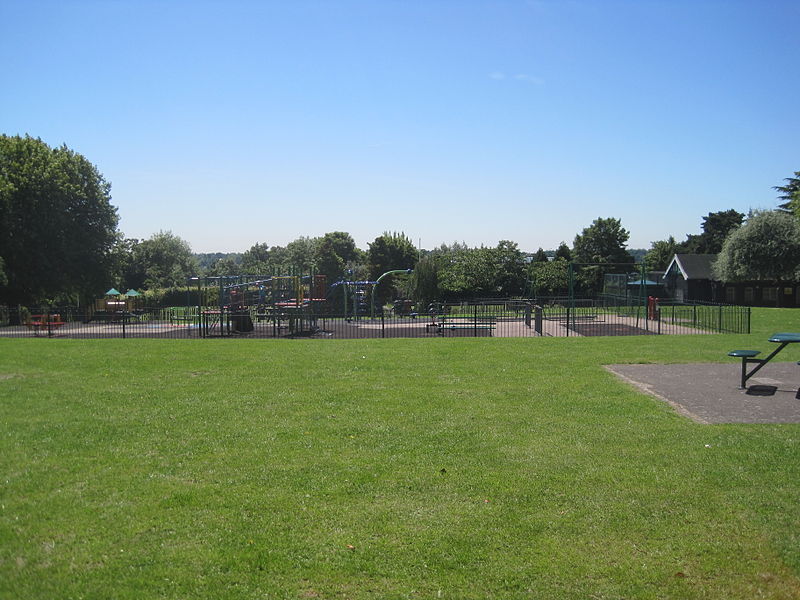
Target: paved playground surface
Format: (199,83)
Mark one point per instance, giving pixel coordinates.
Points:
(710,393)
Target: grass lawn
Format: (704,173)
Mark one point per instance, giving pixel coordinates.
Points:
(434,468)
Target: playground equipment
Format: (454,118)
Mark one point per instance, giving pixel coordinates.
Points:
(288,302)
(114,305)
(359,296)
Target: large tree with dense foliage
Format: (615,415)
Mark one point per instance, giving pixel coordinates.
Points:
(716,227)
(258,260)
(602,243)
(480,272)
(564,252)
(328,262)
(161,261)
(660,254)
(468,273)
(510,269)
(343,244)
(550,278)
(335,252)
(388,252)
(766,247)
(57,224)
(391,251)
(300,255)
(223,267)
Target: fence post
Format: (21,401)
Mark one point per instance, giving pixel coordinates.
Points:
(567,320)
(124,318)
(538,319)
(383,325)
(475,323)
(719,330)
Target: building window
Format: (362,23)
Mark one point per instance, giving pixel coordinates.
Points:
(748,295)
(769,294)
(730,294)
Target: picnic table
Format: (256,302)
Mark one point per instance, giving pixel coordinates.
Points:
(749,356)
(45,322)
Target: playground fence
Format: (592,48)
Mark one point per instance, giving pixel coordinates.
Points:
(540,317)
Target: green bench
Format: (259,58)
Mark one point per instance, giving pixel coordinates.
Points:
(450,323)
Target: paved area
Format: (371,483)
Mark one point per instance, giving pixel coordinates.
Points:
(709,393)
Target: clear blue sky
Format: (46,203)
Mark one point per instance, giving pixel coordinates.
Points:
(236,122)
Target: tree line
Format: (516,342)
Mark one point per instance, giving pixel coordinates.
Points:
(60,243)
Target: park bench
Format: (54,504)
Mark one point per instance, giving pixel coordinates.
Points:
(475,323)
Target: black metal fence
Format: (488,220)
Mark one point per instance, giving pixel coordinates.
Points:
(541,317)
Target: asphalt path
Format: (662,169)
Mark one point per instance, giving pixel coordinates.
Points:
(710,393)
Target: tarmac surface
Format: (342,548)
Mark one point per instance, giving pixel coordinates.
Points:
(709,393)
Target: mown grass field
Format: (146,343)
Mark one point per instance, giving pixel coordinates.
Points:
(445,468)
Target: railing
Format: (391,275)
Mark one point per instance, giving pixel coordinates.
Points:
(548,317)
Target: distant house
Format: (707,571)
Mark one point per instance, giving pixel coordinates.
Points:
(689,277)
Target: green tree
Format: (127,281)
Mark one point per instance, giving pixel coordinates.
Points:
(257,260)
(328,261)
(790,194)
(122,260)
(164,260)
(660,254)
(766,247)
(550,278)
(602,243)
(58,227)
(388,252)
(425,281)
(564,252)
(343,245)
(540,256)
(224,267)
(716,227)
(300,255)
(335,253)
(509,269)
(469,273)
(206,260)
